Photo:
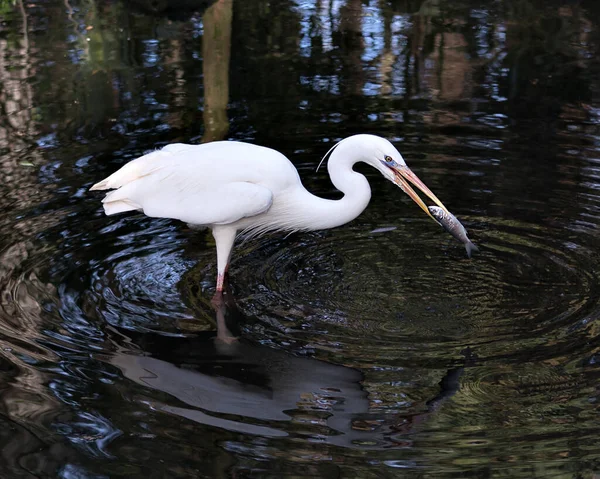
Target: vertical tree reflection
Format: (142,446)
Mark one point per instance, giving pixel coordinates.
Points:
(352,44)
(216,48)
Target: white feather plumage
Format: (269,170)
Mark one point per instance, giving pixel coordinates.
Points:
(235,187)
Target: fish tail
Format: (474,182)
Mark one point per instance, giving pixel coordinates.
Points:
(471,248)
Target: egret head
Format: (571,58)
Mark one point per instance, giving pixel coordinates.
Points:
(381,154)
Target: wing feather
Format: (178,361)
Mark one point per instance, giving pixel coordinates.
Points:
(217,206)
(163,193)
(215,183)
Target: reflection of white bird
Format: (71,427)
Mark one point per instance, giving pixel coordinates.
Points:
(235,187)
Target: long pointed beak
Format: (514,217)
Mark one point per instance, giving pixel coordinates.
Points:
(404,177)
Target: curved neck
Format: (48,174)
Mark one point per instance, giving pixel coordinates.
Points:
(314,213)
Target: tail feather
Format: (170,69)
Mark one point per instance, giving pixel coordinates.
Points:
(134,170)
(101,185)
(125,181)
(114,207)
(118,201)
(122,194)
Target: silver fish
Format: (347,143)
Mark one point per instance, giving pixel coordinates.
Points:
(453,226)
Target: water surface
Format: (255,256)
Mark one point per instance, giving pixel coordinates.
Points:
(376,349)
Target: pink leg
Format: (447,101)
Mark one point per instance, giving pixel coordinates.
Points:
(220,280)
(217,300)
(224,238)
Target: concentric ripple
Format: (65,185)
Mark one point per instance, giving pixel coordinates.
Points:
(133,284)
(507,337)
(413,287)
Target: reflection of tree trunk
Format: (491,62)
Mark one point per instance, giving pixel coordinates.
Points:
(17,126)
(421,26)
(353,44)
(216,48)
(176,118)
(386,67)
(453,66)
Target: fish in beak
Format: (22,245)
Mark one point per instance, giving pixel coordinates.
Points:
(404,178)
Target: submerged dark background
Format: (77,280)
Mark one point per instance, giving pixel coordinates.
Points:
(372,350)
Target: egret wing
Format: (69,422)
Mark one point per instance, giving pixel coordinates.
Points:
(199,184)
(226,204)
(191,202)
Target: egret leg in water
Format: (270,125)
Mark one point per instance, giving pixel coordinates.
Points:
(234,187)
(224,239)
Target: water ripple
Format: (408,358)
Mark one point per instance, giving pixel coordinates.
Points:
(424,294)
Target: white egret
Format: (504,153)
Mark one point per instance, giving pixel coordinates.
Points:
(233,187)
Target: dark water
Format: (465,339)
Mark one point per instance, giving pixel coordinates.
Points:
(373,350)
